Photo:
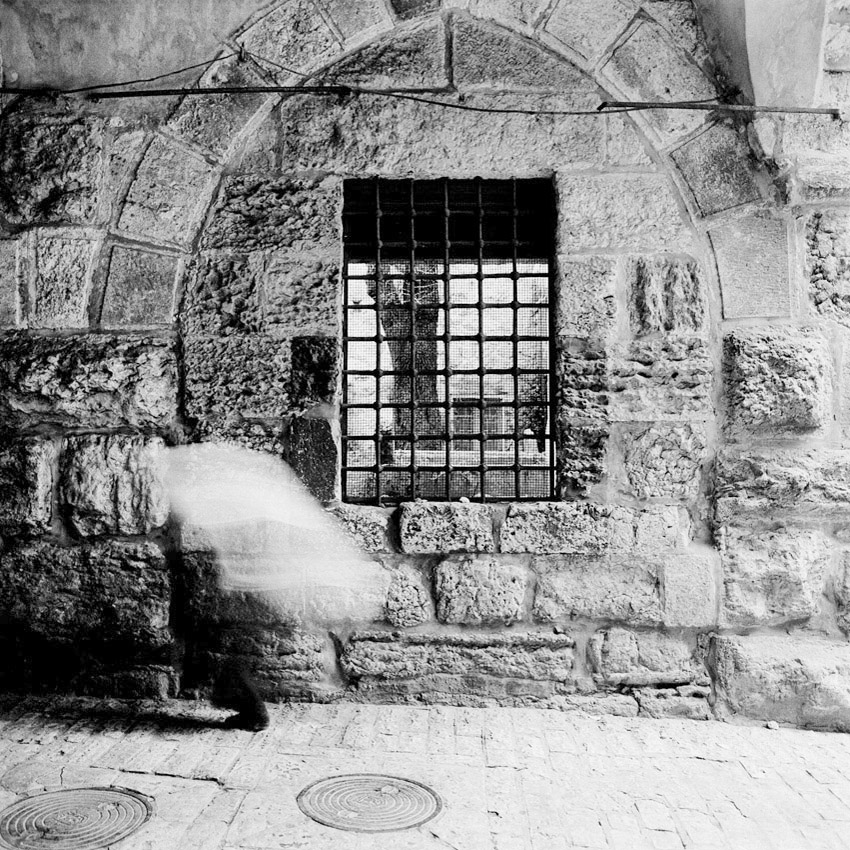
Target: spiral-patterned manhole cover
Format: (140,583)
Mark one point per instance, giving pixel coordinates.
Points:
(76,819)
(369,802)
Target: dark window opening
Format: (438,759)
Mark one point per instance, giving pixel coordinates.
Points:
(447,340)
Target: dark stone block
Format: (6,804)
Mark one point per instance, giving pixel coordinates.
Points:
(314,455)
(315,364)
(412,8)
(139,290)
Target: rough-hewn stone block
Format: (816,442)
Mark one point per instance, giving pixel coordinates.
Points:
(352,19)
(771,577)
(666,294)
(719,168)
(139,289)
(586,296)
(9,297)
(669,702)
(778,379)
(50,169)
(409,601)
(168,195)
(798,679)
(313,453)
(620,657)
(478,590)
(105,593)
(624,146)
(369,526)
(581,457)
(315,365)
(582,382)
(255,212)
(625,589)
(550,527)
(690,588)
(665,461)
(300,294)
(93,381)
(26,484)
(649,68)
(382,655)
(822,177)
(293,35)
(111,484)
(828,241)
(60,280)
(588,27)
(619,211)
(752,259)
(649,530)
(427,527)
(661,379)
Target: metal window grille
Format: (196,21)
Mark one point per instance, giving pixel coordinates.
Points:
(447,340)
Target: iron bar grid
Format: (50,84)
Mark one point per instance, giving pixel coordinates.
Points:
(448,336)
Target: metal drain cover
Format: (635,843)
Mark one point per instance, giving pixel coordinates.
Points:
(76,819)
(369,802)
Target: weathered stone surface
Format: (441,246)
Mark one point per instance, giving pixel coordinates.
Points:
(828,261)
(679,19)
(315,367)
(111,484)
(798,679)
(300,292)
(517,14)
(476,590)
(586,296)
(619,211)
(624,145)
(581,457)
(625,589)
(691,579)
(621,657)
(668,702)
(752,259)
(805,484)
(666,294)
(293,35)
(649,68)
(416,59)
(665,460)
(244,375)
(409,600)
(352,19)
(488,57)
(168,195)
(582,382)
(412,8)
(256,211)
(550,527)
(778,379)
(261,435)
(771,577)
(392,137)
(661,379)
(26,484)
(840,592)
(95,381)
(369,526)
(589,27)
(837,47)
(50,169)
(427,527)
(9,298)
(110,592)
(382,655)
(649,530)
(719,168)
(139,289)
(313,453)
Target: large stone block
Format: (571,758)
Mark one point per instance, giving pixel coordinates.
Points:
(315,368)
(51,169)
(648,67)
(168,195)
(476,590)
(789,678)
(690,588)
(301,293)
(313,453)
(828,262)
(258,212)
(139,288)
(752,259)
(369,527)
(624,589)
(624,145)
(115,593)
(409,601)
(26,484)
(92,381)
(666,294)
(589,27)
(719,168)
(620,657)
(665,461)
(111,484)
(293,35)
(581,457)
(587,302)
(638,212)
(771,577)
(383,655)
(778,379)
(550,527)
(582,382)
(661,379)
(430,527)
(9,294)
(840,593)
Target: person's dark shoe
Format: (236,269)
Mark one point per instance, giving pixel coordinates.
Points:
(253,719)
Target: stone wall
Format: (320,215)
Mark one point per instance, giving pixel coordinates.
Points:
(169,272)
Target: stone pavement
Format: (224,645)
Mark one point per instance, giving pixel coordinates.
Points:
(510,779)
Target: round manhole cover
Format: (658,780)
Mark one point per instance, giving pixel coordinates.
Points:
(369,802)
(76,819)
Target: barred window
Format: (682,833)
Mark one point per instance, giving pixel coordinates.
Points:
(447,340)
